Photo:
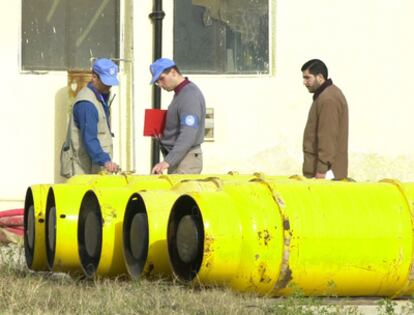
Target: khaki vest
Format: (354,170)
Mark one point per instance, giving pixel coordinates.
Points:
(82,162)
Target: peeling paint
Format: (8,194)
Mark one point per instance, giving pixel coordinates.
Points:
(109,214)
(208,245)
(285,274)
(280,201)
(284,281)
(265,236)
(208,251)
(264,278)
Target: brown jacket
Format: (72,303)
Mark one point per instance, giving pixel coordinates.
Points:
(325,140)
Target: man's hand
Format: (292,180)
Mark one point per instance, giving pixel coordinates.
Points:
(111,167)
(320,175)
(160,167)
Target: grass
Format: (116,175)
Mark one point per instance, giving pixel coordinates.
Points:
(25,292)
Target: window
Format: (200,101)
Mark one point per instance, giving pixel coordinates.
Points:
(219,37)
(66,34)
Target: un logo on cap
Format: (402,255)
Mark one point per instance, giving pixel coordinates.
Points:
(112,71)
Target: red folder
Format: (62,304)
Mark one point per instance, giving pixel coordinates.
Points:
(154,122)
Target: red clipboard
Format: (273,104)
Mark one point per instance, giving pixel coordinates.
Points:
(154,122)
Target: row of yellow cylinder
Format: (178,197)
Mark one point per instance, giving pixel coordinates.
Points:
(264,234)
(53,214)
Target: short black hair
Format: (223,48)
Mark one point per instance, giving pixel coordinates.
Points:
(315,67)
(169,69)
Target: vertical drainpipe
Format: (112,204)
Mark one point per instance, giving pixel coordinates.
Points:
(156,16)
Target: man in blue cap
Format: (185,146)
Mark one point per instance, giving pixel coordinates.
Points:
(185,121)
(89,127)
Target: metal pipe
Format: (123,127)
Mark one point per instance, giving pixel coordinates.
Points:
(156,16)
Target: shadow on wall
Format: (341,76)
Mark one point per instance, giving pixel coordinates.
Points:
(63,108)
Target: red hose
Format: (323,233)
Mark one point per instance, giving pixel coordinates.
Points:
(15,220)
(12,220)
(12,212)
(17,231)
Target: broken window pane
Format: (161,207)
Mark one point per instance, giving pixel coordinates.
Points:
(222,36)
(65,34)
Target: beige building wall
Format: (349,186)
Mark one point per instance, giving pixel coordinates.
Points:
(27,115)
(368,48)
(259,120)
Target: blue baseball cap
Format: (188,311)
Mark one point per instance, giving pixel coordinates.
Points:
(159,66)
(107,71)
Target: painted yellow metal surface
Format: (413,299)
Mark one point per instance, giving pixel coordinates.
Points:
(34,226)
(318,237)
(113,192)
(112,205)
(64,256)
(63,250)
(408,190)
(243,238)
(37,257)
(68,200)
(346,238)
(157,206)
(265,234)
(113,201)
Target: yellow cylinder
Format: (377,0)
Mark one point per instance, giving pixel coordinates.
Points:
(100,224)
(64,203)
(34,227)
(144,234)
(107,204)
(112,203)
(114,180)
(319,237)
(96,203)
(407,189)
(62,209)
(62,213)
(236,243)
(145,226)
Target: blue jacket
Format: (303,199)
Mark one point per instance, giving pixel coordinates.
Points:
(86,119)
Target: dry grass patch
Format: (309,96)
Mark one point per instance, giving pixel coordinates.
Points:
(27,292)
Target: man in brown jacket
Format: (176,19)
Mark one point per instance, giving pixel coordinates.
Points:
(325,140)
